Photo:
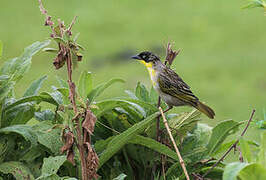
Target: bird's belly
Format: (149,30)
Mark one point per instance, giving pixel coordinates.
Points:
(170,100)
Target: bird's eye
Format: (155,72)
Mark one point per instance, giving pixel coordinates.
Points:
(143,56)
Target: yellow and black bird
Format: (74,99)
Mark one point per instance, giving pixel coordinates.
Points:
(172,89)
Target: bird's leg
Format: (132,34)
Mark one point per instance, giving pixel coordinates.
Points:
(169,108)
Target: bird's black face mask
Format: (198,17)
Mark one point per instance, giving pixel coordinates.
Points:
(146,56)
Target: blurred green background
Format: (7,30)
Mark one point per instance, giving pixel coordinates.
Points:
(222,57)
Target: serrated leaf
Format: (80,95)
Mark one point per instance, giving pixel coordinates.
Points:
(25,131)
(220,133)
(35,87)
(100,88)
(85,84)
(120,140)
(17,67)
(52,164)
(17,169)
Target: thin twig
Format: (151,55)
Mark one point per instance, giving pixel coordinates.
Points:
(233,146)
(175,146)
(70,26)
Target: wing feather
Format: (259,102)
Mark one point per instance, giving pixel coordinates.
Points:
(170,83)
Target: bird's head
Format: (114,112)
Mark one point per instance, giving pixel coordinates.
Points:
(147,58)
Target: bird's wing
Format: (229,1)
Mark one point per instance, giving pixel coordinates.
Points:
(170,83)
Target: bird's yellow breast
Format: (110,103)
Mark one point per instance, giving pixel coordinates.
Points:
(151,71)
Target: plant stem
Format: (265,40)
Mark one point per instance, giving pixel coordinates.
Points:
(175,146)
(233,145)
(72,95)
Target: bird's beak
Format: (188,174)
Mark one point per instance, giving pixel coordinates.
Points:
(136,57)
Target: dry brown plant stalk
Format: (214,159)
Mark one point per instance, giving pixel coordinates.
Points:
(182,163)
(83,120)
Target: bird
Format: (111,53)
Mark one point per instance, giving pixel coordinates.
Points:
(169,85)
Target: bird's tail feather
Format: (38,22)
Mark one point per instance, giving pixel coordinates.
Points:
(205,109)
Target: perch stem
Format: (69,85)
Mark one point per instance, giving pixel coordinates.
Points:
(175,146)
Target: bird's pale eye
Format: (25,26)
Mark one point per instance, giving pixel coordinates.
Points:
(143,56)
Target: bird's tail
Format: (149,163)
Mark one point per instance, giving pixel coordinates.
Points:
(205,109)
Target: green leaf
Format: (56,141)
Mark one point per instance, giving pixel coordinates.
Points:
(154,145)
(51,50)
(254,4)
(223,147)
(17,67)
(49,136)
(23,130)
(17,169)
(262,152)
(142,93)
(62,82)
(44,96)
(5,89)
(53,98)
(120,140)
(65,93)
(34,87)
(100,88)
(153,95)
(220,133)
(131,94)
(85,84)
(245,150)
(52,164)
(60,40)
(20,114)
(110,104)
(1,49)
(120,177)
(253,171)
(45,115)
(231,170)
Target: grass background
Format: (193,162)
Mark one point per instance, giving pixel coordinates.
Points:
(222,57)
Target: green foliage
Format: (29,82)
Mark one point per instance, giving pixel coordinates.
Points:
(124,134)
(220,132)
(254,166)
(17,169)
(98,90)
(1,49)
(34,87)
(85,84)
(255,3)
(51,165)
(120,140)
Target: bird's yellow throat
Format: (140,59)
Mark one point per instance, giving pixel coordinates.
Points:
(151,70)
